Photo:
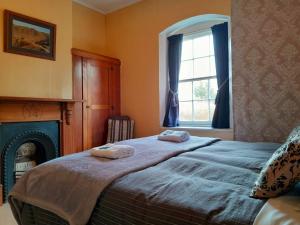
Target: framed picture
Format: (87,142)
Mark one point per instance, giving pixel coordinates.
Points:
(28,36)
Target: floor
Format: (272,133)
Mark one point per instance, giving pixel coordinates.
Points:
(6,217)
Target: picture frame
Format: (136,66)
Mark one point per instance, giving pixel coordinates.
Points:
(29,36)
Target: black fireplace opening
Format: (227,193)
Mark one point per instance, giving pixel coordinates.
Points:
(24,146)
(29,155)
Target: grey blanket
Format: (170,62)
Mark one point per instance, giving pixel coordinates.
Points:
(70,186)
(207,186)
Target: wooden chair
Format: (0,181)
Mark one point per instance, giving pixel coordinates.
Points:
(119,128)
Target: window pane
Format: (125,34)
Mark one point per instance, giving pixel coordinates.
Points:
(197,97)
(213,88)
(187,50)
(185,91)
(185,111)
(201,112)
(212,66)
(201,46)
(200,90)
(212,108)
(211,45)
(201,67)
(186,70)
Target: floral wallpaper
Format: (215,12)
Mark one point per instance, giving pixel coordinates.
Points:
(266,68)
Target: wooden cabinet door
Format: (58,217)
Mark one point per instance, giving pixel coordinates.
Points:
(96,82)
(97,107)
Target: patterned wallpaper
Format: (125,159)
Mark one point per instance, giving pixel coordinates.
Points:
(266,68)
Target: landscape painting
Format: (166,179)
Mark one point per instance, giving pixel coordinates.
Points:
(28,36)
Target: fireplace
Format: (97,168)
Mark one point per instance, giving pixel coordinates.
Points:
(33,131)
(24,145)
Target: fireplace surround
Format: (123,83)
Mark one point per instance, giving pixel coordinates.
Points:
(46,127)
(43,135)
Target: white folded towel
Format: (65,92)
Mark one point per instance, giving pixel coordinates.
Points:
(175,136)
(113,151)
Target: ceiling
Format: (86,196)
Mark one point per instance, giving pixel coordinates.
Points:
(106,6)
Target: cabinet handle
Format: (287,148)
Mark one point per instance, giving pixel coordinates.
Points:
(98,107)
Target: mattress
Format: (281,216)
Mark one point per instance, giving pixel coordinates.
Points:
(208,186)
(283,210)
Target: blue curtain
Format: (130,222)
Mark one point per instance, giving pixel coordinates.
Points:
(221,114)
(174,58)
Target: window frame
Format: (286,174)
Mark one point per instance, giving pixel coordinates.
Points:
(188,25)
(193,123)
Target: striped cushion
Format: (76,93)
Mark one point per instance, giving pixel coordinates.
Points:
(119,129)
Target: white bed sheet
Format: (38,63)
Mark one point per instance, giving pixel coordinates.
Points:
(283,210)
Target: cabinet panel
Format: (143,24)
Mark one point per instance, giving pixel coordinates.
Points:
(97,82)
(98,101)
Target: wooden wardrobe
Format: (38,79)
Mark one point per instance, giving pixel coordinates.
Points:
(96,81)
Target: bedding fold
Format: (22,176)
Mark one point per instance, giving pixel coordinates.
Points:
(70,186)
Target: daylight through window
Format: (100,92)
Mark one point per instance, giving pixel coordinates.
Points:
(197,80)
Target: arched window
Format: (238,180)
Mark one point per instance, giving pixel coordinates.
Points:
(197,88)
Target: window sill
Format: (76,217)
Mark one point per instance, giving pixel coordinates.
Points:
(198,128)
(226,134)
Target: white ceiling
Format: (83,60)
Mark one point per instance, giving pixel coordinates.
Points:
(106,6)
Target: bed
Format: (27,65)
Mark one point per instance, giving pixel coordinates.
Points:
(208,185)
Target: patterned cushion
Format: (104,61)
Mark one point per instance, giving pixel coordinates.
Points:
(294,134)
(280,173)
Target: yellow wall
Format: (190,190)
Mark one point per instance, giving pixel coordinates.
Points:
(88,29)
(132,36)
(34,77)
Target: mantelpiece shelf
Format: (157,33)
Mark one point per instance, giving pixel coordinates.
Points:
(29,99)
(35,109)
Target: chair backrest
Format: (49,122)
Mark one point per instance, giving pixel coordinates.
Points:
(119,128)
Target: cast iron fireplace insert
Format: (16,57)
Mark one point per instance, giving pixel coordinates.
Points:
(24,145)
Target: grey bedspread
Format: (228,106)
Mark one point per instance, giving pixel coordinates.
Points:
(208,186)
(70,186)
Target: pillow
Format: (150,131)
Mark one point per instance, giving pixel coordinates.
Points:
(280,173)
(294,134)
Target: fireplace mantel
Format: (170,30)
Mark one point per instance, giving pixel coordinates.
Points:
(27,109)
(30,99)
(33,109)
